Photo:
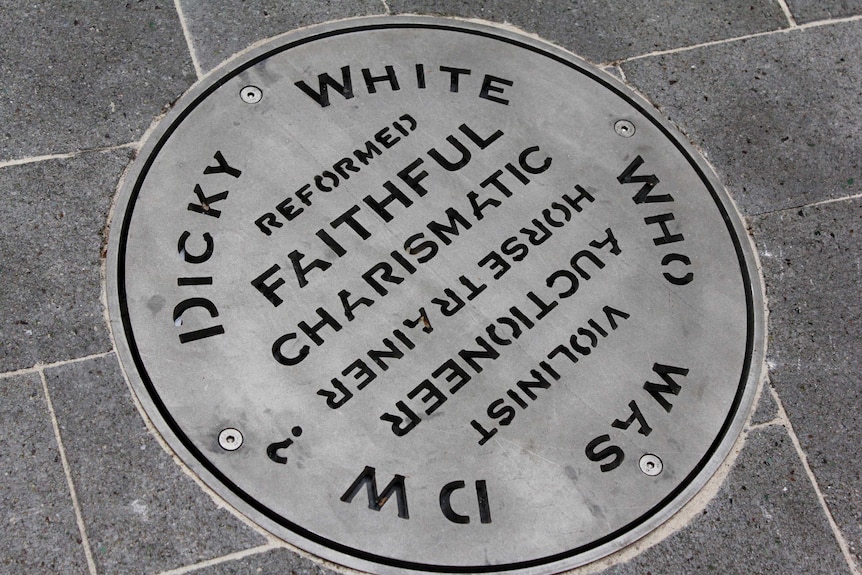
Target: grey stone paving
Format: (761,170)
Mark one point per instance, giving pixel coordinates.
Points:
(811,261)
(812,10)
(766,498)
(81,75)
(766,409)
(778,113)
(270,562)
(54,215)
(762,108)
(222,28)
(132,495)
(39,530)
(607,31)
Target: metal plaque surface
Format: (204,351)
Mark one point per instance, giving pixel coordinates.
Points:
(420,294)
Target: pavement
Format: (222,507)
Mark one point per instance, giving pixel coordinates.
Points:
(770,91)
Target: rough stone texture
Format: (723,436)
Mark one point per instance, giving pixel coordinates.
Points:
(40,534)
(81,75)
(767,409)
(608,31)
(53,227)
(765,520)
(780,117)
(811,10)
(273,562)
(143,514)
(812,269)
(221,28)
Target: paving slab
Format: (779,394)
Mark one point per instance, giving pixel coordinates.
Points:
(272,562)
(143,514)
(779,116)
(608,31)
(81,75)
(54,215)
(810,10)
(221,28)
(40,534)
(767,408)
(765,520)
(811,262)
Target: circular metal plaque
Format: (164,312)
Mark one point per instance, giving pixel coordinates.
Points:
(418,294)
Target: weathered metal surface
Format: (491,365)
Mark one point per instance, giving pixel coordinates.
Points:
(423,294)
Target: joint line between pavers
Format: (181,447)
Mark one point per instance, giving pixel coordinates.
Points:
(621,72)
(763,381)
(219,560)
(188,36)
(67,470)
(805,26)
(770,423)
(803,206)
(787,13)
(40,366)
(686,515)
(66,156)
(836,532)
(831,201)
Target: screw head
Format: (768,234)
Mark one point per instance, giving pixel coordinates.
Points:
(251,94)
(624,128)
(650,464)
(230,439)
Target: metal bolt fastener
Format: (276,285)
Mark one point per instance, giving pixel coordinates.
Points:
(251,94)
(650,464)
(230,439)
(624,128)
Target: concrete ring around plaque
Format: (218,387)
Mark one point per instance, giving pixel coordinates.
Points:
(418,294)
